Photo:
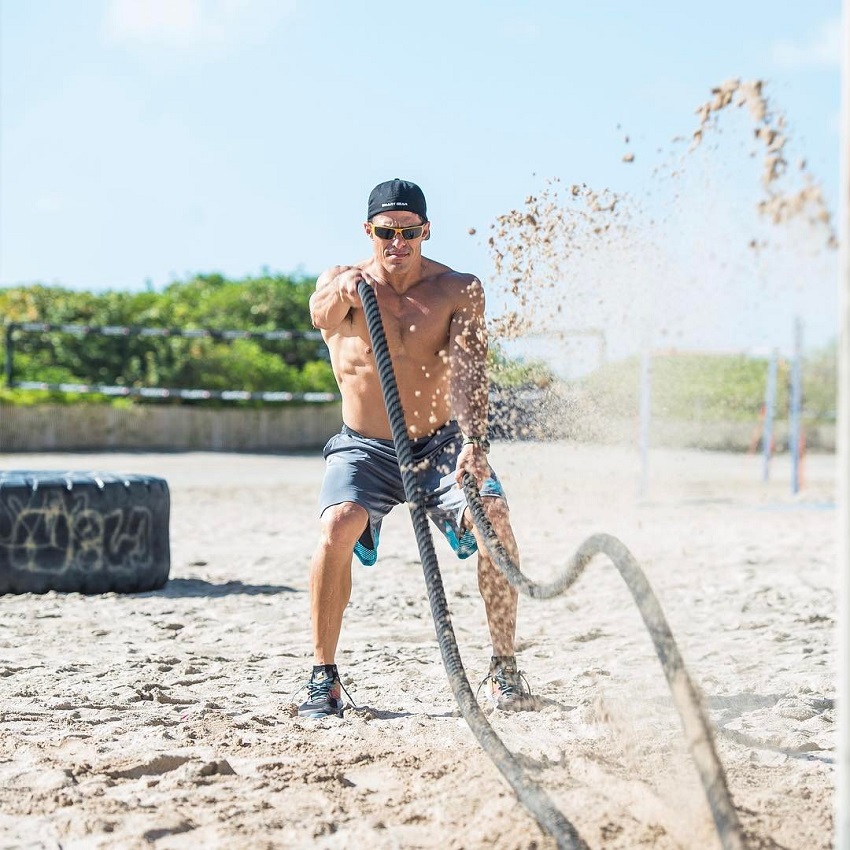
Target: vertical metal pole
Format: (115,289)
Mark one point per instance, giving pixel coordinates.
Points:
(10,373)
(842,793)
(769,410)
(795,414)
(645,417)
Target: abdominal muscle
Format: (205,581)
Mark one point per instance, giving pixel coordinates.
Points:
(423,389)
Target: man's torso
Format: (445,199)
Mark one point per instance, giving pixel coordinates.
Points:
(416,325)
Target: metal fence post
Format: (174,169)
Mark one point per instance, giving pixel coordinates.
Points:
(10,353)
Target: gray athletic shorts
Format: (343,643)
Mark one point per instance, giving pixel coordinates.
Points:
(365,470)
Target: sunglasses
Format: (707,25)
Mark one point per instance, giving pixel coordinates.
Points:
(389,233)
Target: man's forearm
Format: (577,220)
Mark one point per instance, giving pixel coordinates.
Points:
(470,400)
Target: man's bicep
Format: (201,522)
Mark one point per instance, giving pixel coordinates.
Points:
(469,310)
(460,332)
(469,331)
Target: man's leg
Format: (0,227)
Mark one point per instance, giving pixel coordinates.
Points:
(330,576)
(500,599)
(330,590)
(508,689)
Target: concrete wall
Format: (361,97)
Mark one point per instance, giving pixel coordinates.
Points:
(94,427)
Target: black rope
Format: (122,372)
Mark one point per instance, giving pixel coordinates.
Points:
(697,730)
(530,794)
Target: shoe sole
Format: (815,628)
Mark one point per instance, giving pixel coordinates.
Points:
(319,715)
(529,703)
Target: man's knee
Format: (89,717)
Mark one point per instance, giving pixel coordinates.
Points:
(342,524)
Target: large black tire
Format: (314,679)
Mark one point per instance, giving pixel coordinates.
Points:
(83,532)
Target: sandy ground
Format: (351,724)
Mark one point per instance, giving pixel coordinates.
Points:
(161,719)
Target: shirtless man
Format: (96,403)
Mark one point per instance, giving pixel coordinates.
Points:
(433,319)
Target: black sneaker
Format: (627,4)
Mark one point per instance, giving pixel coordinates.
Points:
(324,694)
(508,689)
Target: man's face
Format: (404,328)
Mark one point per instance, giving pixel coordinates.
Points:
(391,248)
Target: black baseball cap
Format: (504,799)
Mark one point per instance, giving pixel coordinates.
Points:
(397,195)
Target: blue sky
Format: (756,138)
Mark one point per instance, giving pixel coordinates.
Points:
(146,140)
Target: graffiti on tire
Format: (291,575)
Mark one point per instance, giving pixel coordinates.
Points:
(48,532)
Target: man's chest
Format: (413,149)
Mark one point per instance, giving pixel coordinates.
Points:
(415,325)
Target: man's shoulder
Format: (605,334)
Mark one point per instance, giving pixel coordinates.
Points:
(446,274)
(333,272)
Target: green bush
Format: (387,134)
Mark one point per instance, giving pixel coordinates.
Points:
(710,387)
(507,372)
(685,386)
(265,303)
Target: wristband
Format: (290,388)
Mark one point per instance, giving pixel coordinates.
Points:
(482,442)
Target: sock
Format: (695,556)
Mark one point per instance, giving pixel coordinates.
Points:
(508,662)
(328,669)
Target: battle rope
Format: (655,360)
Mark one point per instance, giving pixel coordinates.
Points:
(549,818)
(697,730)
(530,794)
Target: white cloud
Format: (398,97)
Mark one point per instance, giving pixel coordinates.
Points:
(821,50)
(192,24)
